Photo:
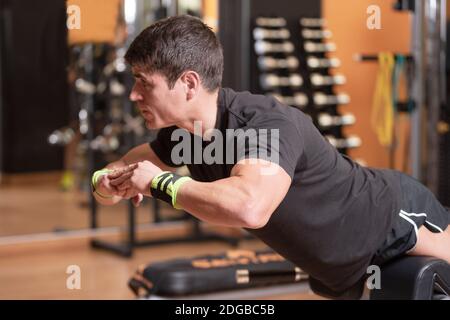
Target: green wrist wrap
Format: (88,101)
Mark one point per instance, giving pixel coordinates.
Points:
(97,174)
(165,187)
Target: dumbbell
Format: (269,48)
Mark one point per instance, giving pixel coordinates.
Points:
(351,141)
(312,22)
(263,47)
(108,141)
(134,124)
(105,144)
(316,47)
(266,63)
(314,62)
(298,100)
(321,99)
(85,87)
(118,65)
(316,34)
(61,137)
(261,33)
(325,80)
(115,87)
(326,120)
(270,22)
(271,80)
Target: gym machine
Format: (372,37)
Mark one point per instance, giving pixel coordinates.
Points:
(429,40)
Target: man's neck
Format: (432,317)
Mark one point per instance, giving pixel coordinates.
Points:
(203,116)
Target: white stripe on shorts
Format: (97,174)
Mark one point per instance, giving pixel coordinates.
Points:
(422,215)
(401,214)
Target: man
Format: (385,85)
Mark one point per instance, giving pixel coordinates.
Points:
(318,208)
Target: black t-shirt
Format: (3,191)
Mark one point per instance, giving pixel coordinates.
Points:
(336,213)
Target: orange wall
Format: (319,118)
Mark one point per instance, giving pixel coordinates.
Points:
(210,10)
(98,21)
(347,20)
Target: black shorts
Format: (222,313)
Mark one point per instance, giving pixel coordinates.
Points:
(419,207)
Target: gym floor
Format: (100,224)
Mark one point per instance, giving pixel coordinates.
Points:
(34,266)
(51,209)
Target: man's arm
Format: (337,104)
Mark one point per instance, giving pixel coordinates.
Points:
(144,152)
(137,154)
(246,199)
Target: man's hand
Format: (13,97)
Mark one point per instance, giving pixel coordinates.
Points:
(105,189)
(104,186)
(134,179)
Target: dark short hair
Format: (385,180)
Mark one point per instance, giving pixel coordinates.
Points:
(176,44)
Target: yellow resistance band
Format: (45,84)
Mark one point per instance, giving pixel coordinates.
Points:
(382,117)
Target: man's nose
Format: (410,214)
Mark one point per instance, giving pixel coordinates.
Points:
(134,95)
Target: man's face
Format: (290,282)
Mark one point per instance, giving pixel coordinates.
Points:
(159,105)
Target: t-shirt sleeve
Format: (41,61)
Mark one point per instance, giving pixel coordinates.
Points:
(163,145)
(274,139)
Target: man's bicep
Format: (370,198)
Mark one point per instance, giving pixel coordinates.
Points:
(268,181)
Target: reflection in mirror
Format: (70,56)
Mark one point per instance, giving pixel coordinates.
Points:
(80,117)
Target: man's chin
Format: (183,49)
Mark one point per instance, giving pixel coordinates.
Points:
(154,125)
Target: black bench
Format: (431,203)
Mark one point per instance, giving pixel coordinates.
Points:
(405,278)
(243,274)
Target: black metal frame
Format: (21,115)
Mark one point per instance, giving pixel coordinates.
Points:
(125,249)
(5,70)
(1,87)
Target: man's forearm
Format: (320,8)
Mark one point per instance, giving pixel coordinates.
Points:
(222,202)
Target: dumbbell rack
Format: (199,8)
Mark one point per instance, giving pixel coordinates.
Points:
(296,70)
(278,64)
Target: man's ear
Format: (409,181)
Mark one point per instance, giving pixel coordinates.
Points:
(191,83)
